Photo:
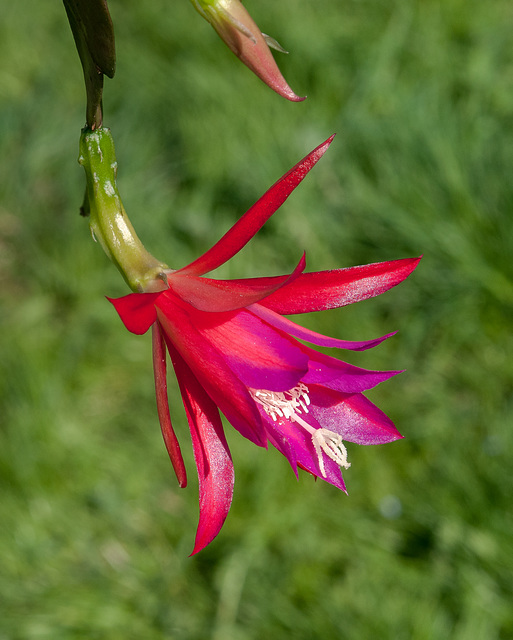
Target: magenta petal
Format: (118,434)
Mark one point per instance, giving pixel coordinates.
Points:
(341,375)
(136,310)
(332,289)
(260,356)
(284,324)
(170,439)
(281,442)
(211,453)
(211,295)
(246,227)
(353,416)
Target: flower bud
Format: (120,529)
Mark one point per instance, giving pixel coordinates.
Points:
(236,27)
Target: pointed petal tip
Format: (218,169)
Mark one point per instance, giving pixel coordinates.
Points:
(413,264)
(278,84)
(199,546)
(294,98)
(197,549)
(393,437)
(327,142)
(320,150)
(322,290)
(168,433)
(256,216)
(343,488)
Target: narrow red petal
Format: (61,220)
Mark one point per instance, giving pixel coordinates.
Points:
(218,296)
(170,439)
(211,453)
(246,227)
(323,290)
(136,310)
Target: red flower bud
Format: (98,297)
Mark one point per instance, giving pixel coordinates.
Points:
(236,27)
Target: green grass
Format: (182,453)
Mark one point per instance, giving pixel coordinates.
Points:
(94,533)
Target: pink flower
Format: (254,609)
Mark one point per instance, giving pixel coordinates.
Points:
(233,350)
(237,28)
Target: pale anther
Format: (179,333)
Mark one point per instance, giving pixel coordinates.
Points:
(332,445)
(289,404)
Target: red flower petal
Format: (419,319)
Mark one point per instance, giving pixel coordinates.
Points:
(211,453)
(137,310)
(332,289)
(170,440)
(211,295)
(209,367)
(246,227)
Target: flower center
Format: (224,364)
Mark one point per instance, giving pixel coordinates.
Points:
(288,405)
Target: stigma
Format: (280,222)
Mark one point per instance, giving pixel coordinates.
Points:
(289,405)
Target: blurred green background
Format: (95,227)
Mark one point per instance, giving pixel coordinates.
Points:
(94,532)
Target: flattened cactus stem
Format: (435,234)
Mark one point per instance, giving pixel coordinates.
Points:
(108,220)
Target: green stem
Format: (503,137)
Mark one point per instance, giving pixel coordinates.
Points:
(108,220)
(93,32)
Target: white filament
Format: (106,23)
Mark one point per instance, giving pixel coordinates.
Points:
(288,405)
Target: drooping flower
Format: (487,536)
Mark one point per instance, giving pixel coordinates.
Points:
(237,28)
(233,350)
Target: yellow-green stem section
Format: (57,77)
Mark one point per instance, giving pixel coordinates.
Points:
(108,220)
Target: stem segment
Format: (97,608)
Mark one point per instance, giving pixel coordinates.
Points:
(108,220)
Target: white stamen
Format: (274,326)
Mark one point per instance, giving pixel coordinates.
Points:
(283,403)
(288,405)
(331,443)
